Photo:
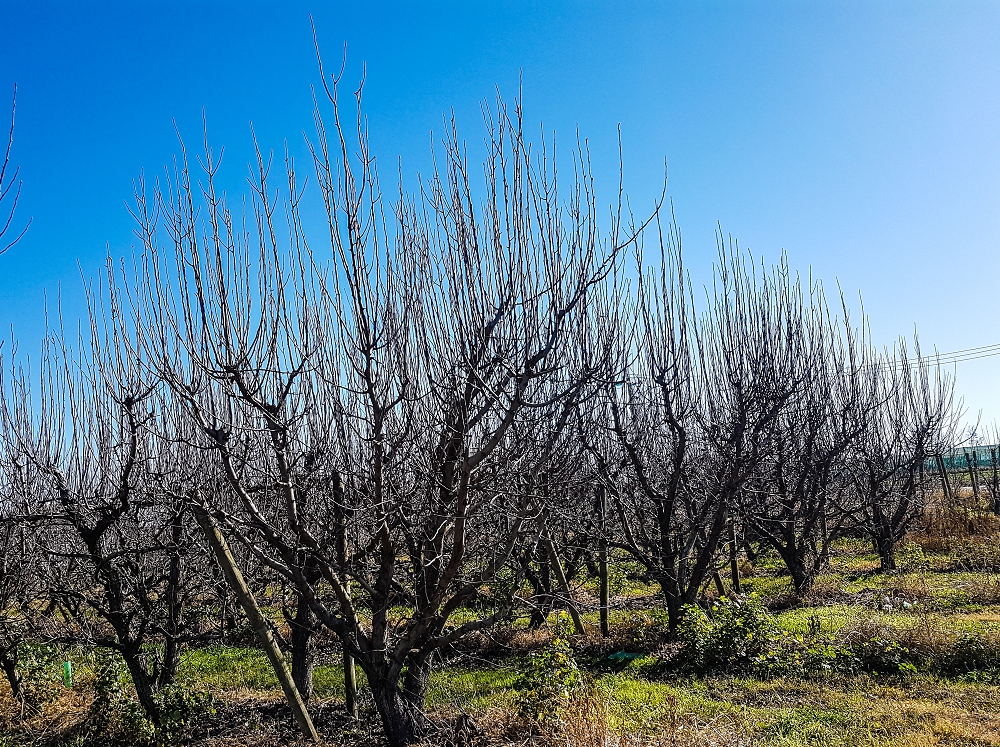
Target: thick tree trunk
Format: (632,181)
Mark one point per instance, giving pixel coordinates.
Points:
(887,557)
(171,660)
(303,658)
(402,710)
(795,561)
(541,585)
(884,537)
(675,607)
(884,545)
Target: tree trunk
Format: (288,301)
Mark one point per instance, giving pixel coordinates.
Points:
(541,584)
(545,539)
(142,681)
(402,711)
(171,660)
(674,604)
(341,514)
(884,545)
(303,658)
(8,662)
(795,561)
(171,650)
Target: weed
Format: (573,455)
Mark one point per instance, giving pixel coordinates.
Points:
(550,677)
(114,712)
(739,633)
(40,667)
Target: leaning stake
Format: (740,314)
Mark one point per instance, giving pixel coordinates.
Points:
(257,620)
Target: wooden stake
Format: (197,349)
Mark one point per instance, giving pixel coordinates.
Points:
(945,485)
(734,561)
(257,620)
(602,559)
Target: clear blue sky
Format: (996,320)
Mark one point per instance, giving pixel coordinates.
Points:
(863,138)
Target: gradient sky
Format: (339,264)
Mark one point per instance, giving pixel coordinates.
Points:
(861,138)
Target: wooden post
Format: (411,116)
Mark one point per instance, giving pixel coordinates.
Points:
(602,558)
(973,464)
(257,620)
(945,485)
(350,675)
(734,562)
(719,586)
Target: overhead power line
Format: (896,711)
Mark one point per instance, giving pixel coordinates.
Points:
(946,359)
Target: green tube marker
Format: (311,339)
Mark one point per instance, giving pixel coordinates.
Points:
(68,673)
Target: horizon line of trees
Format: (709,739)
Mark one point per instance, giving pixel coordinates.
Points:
(471,396)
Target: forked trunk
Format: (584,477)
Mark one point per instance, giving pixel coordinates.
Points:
(886,550)
(674,602)
(402,709)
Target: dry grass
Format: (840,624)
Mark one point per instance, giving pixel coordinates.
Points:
(585,722)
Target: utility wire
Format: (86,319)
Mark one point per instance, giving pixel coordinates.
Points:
(946,359)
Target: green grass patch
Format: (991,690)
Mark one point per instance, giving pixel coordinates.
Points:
(472,690)
(227,668)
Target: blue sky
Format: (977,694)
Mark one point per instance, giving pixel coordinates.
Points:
(861,138)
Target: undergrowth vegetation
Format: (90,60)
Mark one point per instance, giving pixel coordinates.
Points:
(872,658)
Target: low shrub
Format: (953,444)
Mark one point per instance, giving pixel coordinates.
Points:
(739,634)
(736,632)
(969,652)
(116,717)
(114,712)
(40,668)
(181,703)
(550,676)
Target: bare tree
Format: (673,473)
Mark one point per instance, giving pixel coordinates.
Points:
(694,413)
(392,401)
(22,594)
(915,420)
(798,502)
(90,467)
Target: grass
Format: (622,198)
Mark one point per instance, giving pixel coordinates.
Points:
(228,669)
